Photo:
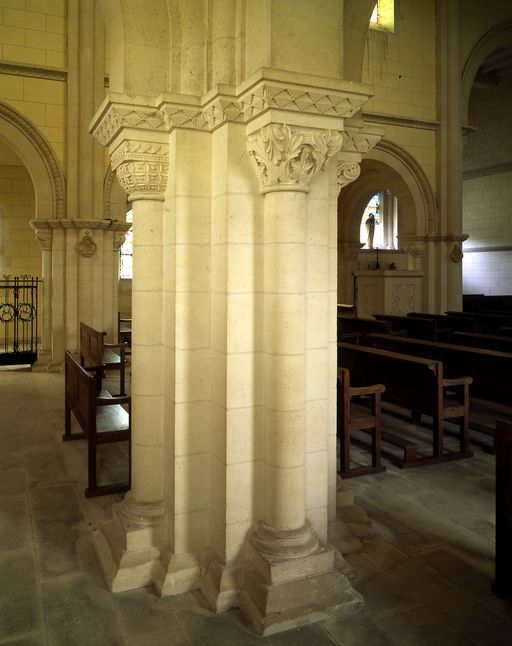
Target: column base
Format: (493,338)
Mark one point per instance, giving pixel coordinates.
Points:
(221,585)
(129,546)
(280,594)
(179,573)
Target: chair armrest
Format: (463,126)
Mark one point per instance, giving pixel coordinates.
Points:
(121,346)
(108,401)
(360,391)
(116,345)
(458,381)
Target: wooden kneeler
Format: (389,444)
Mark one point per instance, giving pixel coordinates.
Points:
(357,418)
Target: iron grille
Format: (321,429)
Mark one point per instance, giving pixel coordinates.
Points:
(18,319)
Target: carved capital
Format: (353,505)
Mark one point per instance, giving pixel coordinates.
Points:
(350,250)
(118,241)
(347,172)
(286,159)
(142,168)
(44,234)
(456,253)
(44,239)
(416,250)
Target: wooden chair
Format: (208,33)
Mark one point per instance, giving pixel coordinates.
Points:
(352,417)
(95,353)
(124,330)
(102,419)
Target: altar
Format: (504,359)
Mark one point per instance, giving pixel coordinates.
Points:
(387,291)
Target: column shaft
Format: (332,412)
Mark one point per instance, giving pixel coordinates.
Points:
(147,382)
(284,343)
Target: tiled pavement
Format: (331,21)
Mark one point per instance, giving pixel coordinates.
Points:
(424,569)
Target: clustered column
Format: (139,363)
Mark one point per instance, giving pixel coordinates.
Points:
(285,161)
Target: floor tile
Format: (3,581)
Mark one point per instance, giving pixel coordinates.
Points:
(20,610)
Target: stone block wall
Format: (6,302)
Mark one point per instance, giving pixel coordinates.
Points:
(35,36)
(19,251)
(488,192)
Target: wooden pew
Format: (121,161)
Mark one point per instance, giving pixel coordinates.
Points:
(124,330)
(95,353)
(489,369)
(416,384)
(483,302)
(486,323)
(416,327)
(502,585)
(102,418)
(351,418)
(349,327)
(444,321)
(485,341)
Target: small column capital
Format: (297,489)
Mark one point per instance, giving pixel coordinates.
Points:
(347,172)
(142,168)
(44,235)
(138,143)
(286,159)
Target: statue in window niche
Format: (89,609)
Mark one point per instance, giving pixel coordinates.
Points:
(370,230)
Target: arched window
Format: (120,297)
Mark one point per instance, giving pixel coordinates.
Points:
(383,16)
(126,255)
(379,223)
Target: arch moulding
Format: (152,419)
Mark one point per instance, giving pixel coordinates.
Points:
(411,176)
(40,160)
(499,36)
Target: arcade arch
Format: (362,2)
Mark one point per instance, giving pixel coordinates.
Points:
(487,164)
(387,168)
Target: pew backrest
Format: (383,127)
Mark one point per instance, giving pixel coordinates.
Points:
(490,369)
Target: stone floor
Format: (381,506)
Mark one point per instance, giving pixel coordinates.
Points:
(424,567)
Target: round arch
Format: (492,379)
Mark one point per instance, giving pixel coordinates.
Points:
(388,166)
(41,163)
(114,197)
(497,37)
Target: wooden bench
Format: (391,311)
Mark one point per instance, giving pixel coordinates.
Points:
(502,585)
(484,322)
(124,330)
(483,302)
(489,369)
(444,321)
(352,327)
(416,384)
(485,341)
(351,418)
(102,418)
(95,353)
(419,328)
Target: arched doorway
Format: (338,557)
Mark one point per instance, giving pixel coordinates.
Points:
(390,171)
(30,154)
(487,166)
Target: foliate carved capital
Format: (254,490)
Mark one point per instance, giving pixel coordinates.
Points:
(118,241)
(350,250)
(142,168)
(416,250)
(44,239)
(286,159)
(347,172)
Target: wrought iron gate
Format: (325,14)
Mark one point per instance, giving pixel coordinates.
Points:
(18,319)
